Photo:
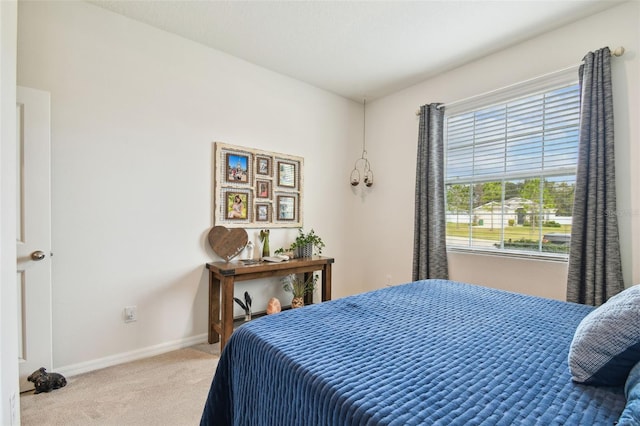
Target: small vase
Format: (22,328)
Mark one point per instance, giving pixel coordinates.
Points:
(297,302)
(266,252)
(264,237)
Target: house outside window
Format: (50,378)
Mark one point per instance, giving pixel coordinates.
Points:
(510,168)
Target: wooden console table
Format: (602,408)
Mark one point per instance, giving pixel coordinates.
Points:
(223,275)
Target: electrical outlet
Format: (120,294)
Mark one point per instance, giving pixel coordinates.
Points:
(130,313)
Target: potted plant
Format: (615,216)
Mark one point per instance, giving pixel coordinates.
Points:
(306,245)
(299,288)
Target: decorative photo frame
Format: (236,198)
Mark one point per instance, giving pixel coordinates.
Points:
(286,208)
(263,165)
(237,167)
(263,212)
(287,174)
(263,188)
(268,185)
(237,204)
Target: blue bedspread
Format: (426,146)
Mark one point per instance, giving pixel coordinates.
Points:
(427,353)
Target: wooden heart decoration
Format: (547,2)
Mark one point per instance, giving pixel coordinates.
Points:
(227,243)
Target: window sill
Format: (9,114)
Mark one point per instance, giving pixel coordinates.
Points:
(515,254)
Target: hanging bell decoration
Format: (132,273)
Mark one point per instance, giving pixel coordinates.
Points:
(367,174)
(362,168)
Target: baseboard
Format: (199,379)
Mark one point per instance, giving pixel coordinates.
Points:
(96,364)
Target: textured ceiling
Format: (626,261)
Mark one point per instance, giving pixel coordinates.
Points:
(357,49)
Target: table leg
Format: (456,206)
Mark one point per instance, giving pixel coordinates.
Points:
(326,282)
(308,298)
(227,310)
(214,307)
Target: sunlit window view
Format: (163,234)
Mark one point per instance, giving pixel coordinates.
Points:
(510,174)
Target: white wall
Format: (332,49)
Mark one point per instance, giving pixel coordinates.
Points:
(392,131)
(9,399)
(135,112)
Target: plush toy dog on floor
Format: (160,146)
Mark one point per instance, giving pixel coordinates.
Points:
(46,382)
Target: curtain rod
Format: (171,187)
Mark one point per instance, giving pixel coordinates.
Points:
(618,51)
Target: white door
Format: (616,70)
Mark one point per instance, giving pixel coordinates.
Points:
(33,232)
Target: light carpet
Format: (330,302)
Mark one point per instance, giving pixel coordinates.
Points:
(168,389)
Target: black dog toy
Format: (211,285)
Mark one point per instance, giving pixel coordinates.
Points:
(46,382)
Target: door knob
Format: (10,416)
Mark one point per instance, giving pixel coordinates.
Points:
(38,255)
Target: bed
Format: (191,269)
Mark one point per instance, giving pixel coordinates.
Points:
(431,352)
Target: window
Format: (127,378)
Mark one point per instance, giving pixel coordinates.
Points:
(510,173)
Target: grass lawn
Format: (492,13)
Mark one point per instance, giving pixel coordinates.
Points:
(510,232)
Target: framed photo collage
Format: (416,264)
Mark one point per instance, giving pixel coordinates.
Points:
(255,188)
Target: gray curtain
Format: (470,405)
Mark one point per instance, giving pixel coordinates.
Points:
(429,246)
(595,268)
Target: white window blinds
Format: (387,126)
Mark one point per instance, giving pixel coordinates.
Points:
(532,136)
(510,171)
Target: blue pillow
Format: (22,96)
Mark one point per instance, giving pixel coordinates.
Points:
(606,344)
(631,414)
